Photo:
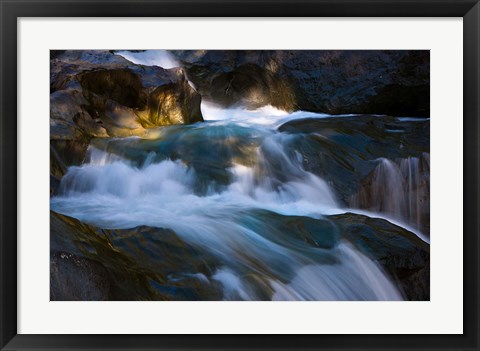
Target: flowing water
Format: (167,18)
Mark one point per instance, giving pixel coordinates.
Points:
(227,186)
(399,189)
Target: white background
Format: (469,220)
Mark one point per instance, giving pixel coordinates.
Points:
(443,314)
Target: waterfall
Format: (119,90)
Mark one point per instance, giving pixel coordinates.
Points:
(113,191)
(400,189)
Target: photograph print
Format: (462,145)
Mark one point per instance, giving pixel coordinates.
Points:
(253,175)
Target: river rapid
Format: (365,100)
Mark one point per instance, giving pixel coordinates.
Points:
(253,193)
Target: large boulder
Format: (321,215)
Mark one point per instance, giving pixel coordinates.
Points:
(395,82)
(100,94)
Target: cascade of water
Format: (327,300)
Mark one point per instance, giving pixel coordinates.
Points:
(273,179)
(399,189)
(355,278)
(248,169)
(112,192)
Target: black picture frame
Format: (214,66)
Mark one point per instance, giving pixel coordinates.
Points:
(11,10)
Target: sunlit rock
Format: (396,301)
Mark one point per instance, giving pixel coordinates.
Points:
(100,94)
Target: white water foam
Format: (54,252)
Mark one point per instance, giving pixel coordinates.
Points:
(268,116)
(233,287)
(110,188)
(161,58)
(353,278)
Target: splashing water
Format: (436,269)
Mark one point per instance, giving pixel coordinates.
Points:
(273,182)
(260,172)
(161,58)
(268,115)
(357,276)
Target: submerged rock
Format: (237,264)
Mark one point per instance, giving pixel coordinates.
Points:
(401,253)
(395,82)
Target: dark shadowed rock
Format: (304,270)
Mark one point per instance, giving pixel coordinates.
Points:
(64,153)
(336,82)
(252,86)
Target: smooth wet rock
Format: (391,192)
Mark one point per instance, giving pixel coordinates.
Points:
(141,263)
(101,94)
(316,233)
(175,103)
